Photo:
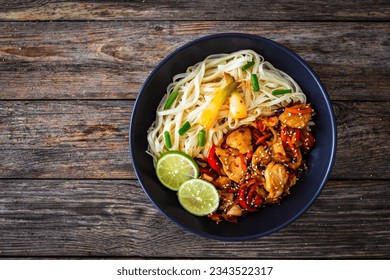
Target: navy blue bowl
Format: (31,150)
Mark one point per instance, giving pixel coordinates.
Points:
(271,218)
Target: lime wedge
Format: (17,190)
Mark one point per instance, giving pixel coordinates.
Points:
(175,167)
(198,197)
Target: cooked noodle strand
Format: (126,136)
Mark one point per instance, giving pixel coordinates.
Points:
(196,88)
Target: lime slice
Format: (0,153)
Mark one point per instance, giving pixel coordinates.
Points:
(175,167)
(198,197)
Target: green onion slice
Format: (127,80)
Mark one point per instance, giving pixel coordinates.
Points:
(248,65)
(170,100)
(255,82)
(167,138)
(201,138)
(281,91)
(185,127)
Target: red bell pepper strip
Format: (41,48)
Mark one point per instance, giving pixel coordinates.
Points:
(297,136)
(251,193)
(284,136)
(257,201)
(297,111)
(251,197)
(260,125)
(247,183)
(213,161)
(205,170)
(307,139)
(242,200)
(262,139)
(292,147)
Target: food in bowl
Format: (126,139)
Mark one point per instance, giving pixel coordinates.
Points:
(245,124)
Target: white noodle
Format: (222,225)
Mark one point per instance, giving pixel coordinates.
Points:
(196,88)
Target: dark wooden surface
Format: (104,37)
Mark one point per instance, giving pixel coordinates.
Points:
(69,75)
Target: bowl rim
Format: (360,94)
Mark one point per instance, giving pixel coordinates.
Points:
(328,104)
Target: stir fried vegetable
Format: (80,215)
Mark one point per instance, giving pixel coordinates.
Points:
(281,91)
(257,164)
(167,138)
(255,82)
(212,160)
(201,138)
(247,66)
(171,99)
(184,128)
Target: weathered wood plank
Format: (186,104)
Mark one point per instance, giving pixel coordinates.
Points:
(359,126)
(89,139)
(350,219)
(111,60)
(68,82)
(193,10)
(65,139)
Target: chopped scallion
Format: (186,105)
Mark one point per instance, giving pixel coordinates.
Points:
(167,138)
(201,138)
(281,91)
(184,128)
(255,82)
(170,100)
(248,65)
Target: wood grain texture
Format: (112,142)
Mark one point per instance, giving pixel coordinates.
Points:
(89,139)
(65,139)
(111,60)
(70,72)
(115,218)
(193,10)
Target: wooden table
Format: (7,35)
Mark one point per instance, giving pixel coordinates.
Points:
(69,75)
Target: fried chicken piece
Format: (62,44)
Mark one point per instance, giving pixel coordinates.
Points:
(240,139)
(275,178)
(296,120)
(231,163)
(260,157)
